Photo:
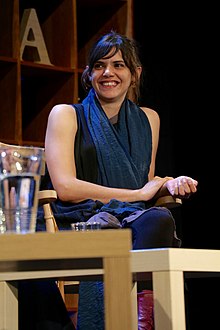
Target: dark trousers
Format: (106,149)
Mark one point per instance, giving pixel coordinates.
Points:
(41,306)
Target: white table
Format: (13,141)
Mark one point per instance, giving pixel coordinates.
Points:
(168,267)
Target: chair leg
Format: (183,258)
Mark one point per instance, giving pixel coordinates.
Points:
(60,285)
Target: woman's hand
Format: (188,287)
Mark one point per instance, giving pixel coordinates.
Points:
(152,187)
(181,187)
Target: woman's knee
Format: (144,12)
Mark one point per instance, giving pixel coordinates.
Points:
(155,228)
(158,216)
(164,217)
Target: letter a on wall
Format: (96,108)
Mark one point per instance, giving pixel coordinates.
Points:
(33,47)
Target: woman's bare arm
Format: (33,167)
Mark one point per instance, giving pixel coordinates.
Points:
(62,127)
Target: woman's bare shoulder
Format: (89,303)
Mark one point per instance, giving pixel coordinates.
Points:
(67,108)
(151,114)
(62,111)
(64,115)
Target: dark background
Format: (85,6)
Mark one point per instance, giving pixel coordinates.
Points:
(178,49)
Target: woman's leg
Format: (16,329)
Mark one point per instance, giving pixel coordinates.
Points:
(155,228)
(91,306)
(41,306)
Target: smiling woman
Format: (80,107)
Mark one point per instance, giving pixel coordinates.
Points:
(101,161)
(118,58)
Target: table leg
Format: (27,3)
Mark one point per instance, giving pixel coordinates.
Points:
(169,303)
(8,306)
(134,306)
(117,293)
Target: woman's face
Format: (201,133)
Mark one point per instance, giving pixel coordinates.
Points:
(111,78)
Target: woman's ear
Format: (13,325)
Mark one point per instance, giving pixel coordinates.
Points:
(139,71)
(136,77)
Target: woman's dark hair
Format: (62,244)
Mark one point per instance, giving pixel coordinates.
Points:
(110,44)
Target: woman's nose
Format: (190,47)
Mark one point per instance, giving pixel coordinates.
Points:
(107,72)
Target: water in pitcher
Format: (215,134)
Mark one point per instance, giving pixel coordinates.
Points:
(18,202)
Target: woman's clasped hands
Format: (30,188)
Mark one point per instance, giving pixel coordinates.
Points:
(179,187)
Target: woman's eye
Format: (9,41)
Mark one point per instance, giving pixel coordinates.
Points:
(119,65)
(98,66)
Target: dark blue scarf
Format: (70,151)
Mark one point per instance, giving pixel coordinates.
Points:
(124,151)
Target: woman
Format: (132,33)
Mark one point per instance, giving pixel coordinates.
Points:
(101,159)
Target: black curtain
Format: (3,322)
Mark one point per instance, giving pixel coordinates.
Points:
(180,62)
(179,51)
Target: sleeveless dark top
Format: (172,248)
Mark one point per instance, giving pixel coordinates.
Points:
(85,153)
(88,167)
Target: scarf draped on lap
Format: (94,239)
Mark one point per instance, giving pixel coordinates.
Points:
(123,156)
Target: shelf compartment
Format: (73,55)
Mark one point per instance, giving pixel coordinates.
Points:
(41,92)
(9,36)
(56,19)
(9,105)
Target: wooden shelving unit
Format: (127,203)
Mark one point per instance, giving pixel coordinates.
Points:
(29,88)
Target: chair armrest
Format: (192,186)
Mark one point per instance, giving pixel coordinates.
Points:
(165,199)
(168,201)
(46,196)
